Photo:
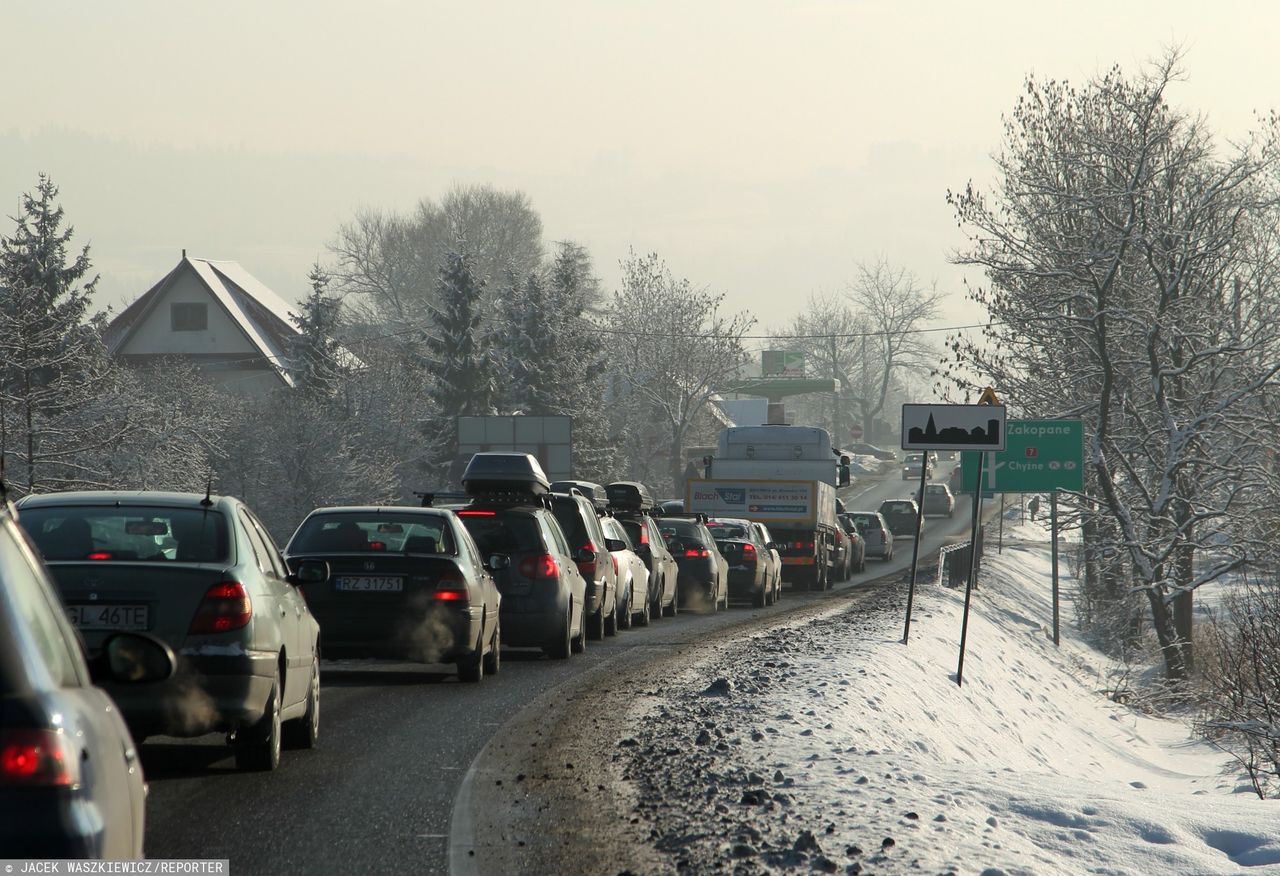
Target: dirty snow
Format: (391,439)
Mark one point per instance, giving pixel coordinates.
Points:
(828,745)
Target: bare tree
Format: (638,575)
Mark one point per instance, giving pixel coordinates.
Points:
(674,350)
(1132,283)
(895,305)
(392,262)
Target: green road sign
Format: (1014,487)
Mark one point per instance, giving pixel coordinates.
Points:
(1039,456)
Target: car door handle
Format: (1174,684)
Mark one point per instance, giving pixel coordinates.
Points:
(282,611)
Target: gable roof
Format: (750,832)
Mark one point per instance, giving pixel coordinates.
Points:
(261,315)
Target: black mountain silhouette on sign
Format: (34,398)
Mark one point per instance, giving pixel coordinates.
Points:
(955,435)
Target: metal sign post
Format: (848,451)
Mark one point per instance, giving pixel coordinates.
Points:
(915,549)
(1053,535)
(973,561)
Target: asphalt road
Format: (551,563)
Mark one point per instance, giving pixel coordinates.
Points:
(396,741)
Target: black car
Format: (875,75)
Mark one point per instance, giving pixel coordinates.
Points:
(406,583)
(71,784)
(634,507)
(202,574)
(578,518)
(543,593)
(748,559)
(704,573)
(901,516)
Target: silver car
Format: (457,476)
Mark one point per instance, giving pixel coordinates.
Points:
(635,604)
(875,532)
(201,574)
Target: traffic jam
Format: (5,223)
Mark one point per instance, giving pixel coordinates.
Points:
(190,621)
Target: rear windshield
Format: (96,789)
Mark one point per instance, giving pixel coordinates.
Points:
(682,529)
(940,489)
(133,532)
(636,531)
(498,533)
(728,530)
(897,507)
(392,533)
(569,516)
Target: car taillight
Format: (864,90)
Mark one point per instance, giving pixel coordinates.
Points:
(225,607)
(588,567)
(749,551)
(644,535)
(37,758)
(542,566)
(802,545)
(100,555)
(451,589)
(697,552)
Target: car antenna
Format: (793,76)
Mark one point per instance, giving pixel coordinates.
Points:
(207,501)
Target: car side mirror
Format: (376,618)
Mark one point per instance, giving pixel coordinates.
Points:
(498,561)
(309,572)
(615,544)
(644,550)
(582,555)
(133,658)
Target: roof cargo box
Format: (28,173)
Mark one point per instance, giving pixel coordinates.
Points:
(593,493)
(495,472)
(629,496)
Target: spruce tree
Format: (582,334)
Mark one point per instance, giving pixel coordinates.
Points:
(52,364)
(458,356)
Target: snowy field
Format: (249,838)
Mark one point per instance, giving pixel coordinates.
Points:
(829,745)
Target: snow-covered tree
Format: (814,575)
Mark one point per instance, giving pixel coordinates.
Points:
(1131,267)
(391,261)
(54,374)
(673,350)
(317,361)
(458,356)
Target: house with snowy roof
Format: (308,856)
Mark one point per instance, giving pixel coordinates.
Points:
(216,315)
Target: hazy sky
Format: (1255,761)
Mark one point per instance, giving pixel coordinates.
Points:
(762,148)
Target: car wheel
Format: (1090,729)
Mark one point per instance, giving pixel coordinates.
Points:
(761,599)
(597,624)
(611,619)
(623,621)
(304,732)
(646,614)
(471,667)
(258,747)
(580,642)
(493,660)
(564,643)
(674,608)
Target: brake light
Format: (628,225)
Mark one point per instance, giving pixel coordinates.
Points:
(99,555)
(225,607)
(802,545)
(541,566)
(451,589)
(477,513)
(37,758)
(377,545)
(748,550)
(697,552)
(644,535)
(588,567)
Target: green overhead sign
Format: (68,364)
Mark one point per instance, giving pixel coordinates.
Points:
(1039,456)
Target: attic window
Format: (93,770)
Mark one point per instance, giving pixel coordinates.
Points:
(189,317)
